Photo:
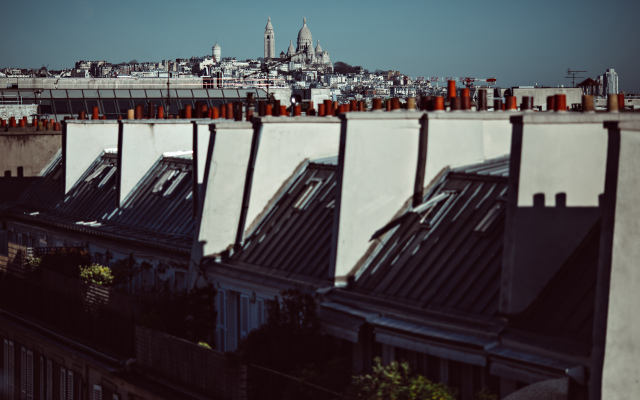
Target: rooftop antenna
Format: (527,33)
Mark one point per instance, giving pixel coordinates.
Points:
(573,76)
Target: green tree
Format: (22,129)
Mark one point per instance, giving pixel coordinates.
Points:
(396,382)
(291,343)
(96,274)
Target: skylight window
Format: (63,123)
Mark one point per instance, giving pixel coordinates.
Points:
(435,208)
(175,184)
(307,195)
(489,218)
(164,178)
(107,177)
(96,173)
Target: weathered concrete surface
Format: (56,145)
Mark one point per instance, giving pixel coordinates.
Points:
(30,150)
(17,110)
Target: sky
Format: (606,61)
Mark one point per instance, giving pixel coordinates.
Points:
(518,42)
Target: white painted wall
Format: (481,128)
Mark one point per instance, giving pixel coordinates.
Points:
(224,182)
(622,350)
(85,142)
(381,161)
(378,175)
(143,143)
(564,153)
(284,144)
(462,138)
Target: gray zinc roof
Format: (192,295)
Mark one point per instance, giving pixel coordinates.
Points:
(159,210)
(294,237)
(446,254)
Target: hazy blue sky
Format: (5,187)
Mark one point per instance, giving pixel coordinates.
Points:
(518,42)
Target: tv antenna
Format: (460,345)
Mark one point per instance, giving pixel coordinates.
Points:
(573,76)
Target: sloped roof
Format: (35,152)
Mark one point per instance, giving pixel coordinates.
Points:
(294,238)
(565,307)
(446,254)
(160,209)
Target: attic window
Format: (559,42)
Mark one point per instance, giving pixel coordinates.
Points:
(307,195)
(101,176)
(166,177)
(175,184)
(107,177)
(434,209)
(489,218)
(96,173)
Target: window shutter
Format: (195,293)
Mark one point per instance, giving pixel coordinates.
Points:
(29,374)
(23,373)
(70,385)
(260,312)
(244,316)
(49,380)
(8,368)
(97,392)
(42,382)
(221,328)
(63,383)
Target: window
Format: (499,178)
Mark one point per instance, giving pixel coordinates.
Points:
(109,106)
(62,107)
(8,369)
(23,373)
(63,383)
(76,106)
(97,392)
(29,375)
(124,105)
(164,178)
(175,184)
(92,103)
(243,318)
(49,380)
(490,218)
(307,195)
(221,326)
(42,379)
(69,385)
(260,312)
(433,210)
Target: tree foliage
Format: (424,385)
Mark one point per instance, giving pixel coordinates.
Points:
(396,382)
(291,343)
(340,67)
(189,314)
(96,274)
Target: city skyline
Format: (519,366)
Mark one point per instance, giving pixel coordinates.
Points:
(518,43)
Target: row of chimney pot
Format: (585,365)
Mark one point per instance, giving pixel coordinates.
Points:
(234,111)
(44,124)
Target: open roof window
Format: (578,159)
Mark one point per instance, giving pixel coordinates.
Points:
(168,181)
(101,176)
(433,210)
(308,194)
